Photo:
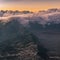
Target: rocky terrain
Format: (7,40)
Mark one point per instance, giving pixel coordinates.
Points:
(22,32)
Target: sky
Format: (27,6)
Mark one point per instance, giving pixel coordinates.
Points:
(31,5)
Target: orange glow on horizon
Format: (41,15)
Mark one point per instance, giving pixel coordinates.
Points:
(27,9)
(30,7)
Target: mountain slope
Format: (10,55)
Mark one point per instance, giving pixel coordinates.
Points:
(17,42)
